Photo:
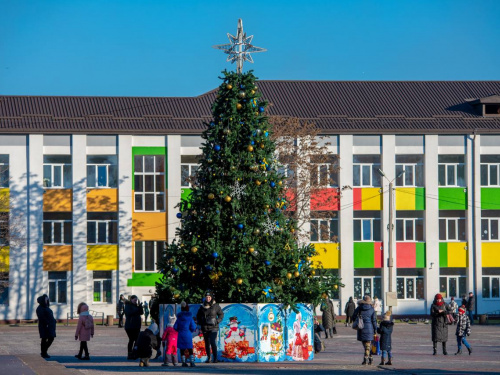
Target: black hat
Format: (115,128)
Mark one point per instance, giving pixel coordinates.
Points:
(209,293)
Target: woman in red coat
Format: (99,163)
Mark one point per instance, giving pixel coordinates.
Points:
(84,330)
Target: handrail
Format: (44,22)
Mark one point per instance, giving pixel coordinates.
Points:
(95,314)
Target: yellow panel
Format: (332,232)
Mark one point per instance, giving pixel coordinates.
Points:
(405,198)
(102,200)
(4,199)
(57,258)
(457,254)
(490,254)
(329,254)
(371,199)
(102,257)
(57,200)
(4,259)
(149,226)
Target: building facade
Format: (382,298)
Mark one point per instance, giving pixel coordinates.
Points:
(89,188)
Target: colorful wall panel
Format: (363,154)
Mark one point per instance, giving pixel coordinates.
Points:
(271,333)
(4,259)
(490,254)
(57,258)
(410,255)
(290,195)
(58,200)
(300,335)
(102,200)
(4,199)
(149,226)
(237,333)
(410,199)
(368,254)
(453,254)
(367,199)
(144,279)
(325,200)
(490,198)
(328,255)
(102,257)
(452,198)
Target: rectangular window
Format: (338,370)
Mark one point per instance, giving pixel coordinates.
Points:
(413,168)
(410,229)
(452,229)
(102,286)
(368,285)
(149,183)
(4,171)
(367,229)
(491,287)
(57,171)
(365,170)
(4,288)
(147,254)
(57,229)
(102,171)
(4,229)
(451,170)
(453,285)
(490,168)
(410,287)
(102,228)
(490,229)
(325,230)
(58,287)
(324,171)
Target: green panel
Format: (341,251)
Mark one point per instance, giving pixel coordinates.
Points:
(452,198)
(443,254)
(364,255)
(419,198)
(149,151)
(144,279)
(490,198)
(420,255)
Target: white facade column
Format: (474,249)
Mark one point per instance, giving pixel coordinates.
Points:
(174,184)
(79,284)
(475,250)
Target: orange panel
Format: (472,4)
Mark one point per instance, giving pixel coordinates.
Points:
(57,258)
(57,200)
(325,199)
(102,200)
(149,226)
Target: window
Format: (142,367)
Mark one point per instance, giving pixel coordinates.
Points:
(102,286)
(410,283)
(490,168)
(451,170)
(452,285)
(367,226)
(452,229)
(4,229)
(57,171)
(102,171)
(368,285)
(492,109)
(324,229)
(58,287)
(365,170)
(324,171)
(286,169)
(189,166)
(4,288)
(408,227)
(491,286)
(413,168)
(57,228)
(149,183)
(147,253)
(489,229)
(102,228)
(4,171)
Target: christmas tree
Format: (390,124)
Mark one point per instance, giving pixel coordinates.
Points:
(234,237)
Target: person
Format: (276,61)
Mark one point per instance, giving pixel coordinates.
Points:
(464,300)
(350,306)
(169,338)
(328,317)
(146,343)
(146,312)
(133,322)
(318,328)
(463,330)
(120,306)
(453,306)
(385,332)
(84,329)
(377,306)
(154,310)
(366,312)
(470,308)
(185,325)
(439,326)
(209,317)
(46,324)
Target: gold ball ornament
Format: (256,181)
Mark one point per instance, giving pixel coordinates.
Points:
(229,87)
(239,281)
(252,92)
(296,274)
(280,183)
(335,287)
(176,295)
(324,295)
(194,249)
(238,106)
(257,182)
(292,230)
(242,94)
(250,148)
(313,272)
(262,145)
(288,275)
(251,249)
(256,232)
(171,260)
(211,195)
(227,198)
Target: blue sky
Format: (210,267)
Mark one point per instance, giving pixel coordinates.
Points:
(163,48)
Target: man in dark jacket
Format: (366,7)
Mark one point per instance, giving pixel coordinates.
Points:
(133,322)
(46,324)
(120,310)
(209,317)
(366,312)
(146,343)
(350,306)
(470,308)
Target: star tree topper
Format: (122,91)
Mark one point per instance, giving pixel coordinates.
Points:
(239,48)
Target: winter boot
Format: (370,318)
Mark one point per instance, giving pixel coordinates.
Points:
(183,359)
(382,362)
(389,362)
(444,349)
(470,350)
(365,361)
(174,359)
(191,360)
(370,360)
(434,346)
(459,351)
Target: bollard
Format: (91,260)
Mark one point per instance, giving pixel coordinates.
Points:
(109,320)
(482,319)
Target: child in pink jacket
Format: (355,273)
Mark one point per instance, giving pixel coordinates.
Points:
(84,330)
(170,339)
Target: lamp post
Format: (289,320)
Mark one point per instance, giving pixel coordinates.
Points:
(391,229)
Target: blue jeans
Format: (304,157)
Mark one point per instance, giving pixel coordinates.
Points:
(389,354)
(470,314)
(460,340)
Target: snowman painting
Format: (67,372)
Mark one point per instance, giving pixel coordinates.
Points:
(232,334)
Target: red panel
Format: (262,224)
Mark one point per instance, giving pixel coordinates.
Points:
(356,199)
(325,200)
(378,254)
(291,195)
(406,255)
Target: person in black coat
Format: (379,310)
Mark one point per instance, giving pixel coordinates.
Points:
(470,308)
(366,312)
(318,328)
(120,306)
(133,322)
(385,332)
(146,343)
(46,324)
(350,306)
(209,317)
(439,325)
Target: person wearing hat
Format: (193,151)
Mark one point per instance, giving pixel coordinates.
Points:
(470,306)
(453,306)
(133,322)
(185,325)
(385,331)
(209,317)
(170,339)
(366,312)
(439,323)
(463,330)
(146,343)
(120,310)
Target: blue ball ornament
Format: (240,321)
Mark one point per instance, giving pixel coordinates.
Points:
(272,184)
(175,270)
(252,142)
(240,226)
(267,263)
(212,124)
(179,215)
(261,109)
(215,254)
(208,267)
(242,86)
(266,134)
(217,148)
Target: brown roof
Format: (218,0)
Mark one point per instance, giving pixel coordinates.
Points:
(335,106)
